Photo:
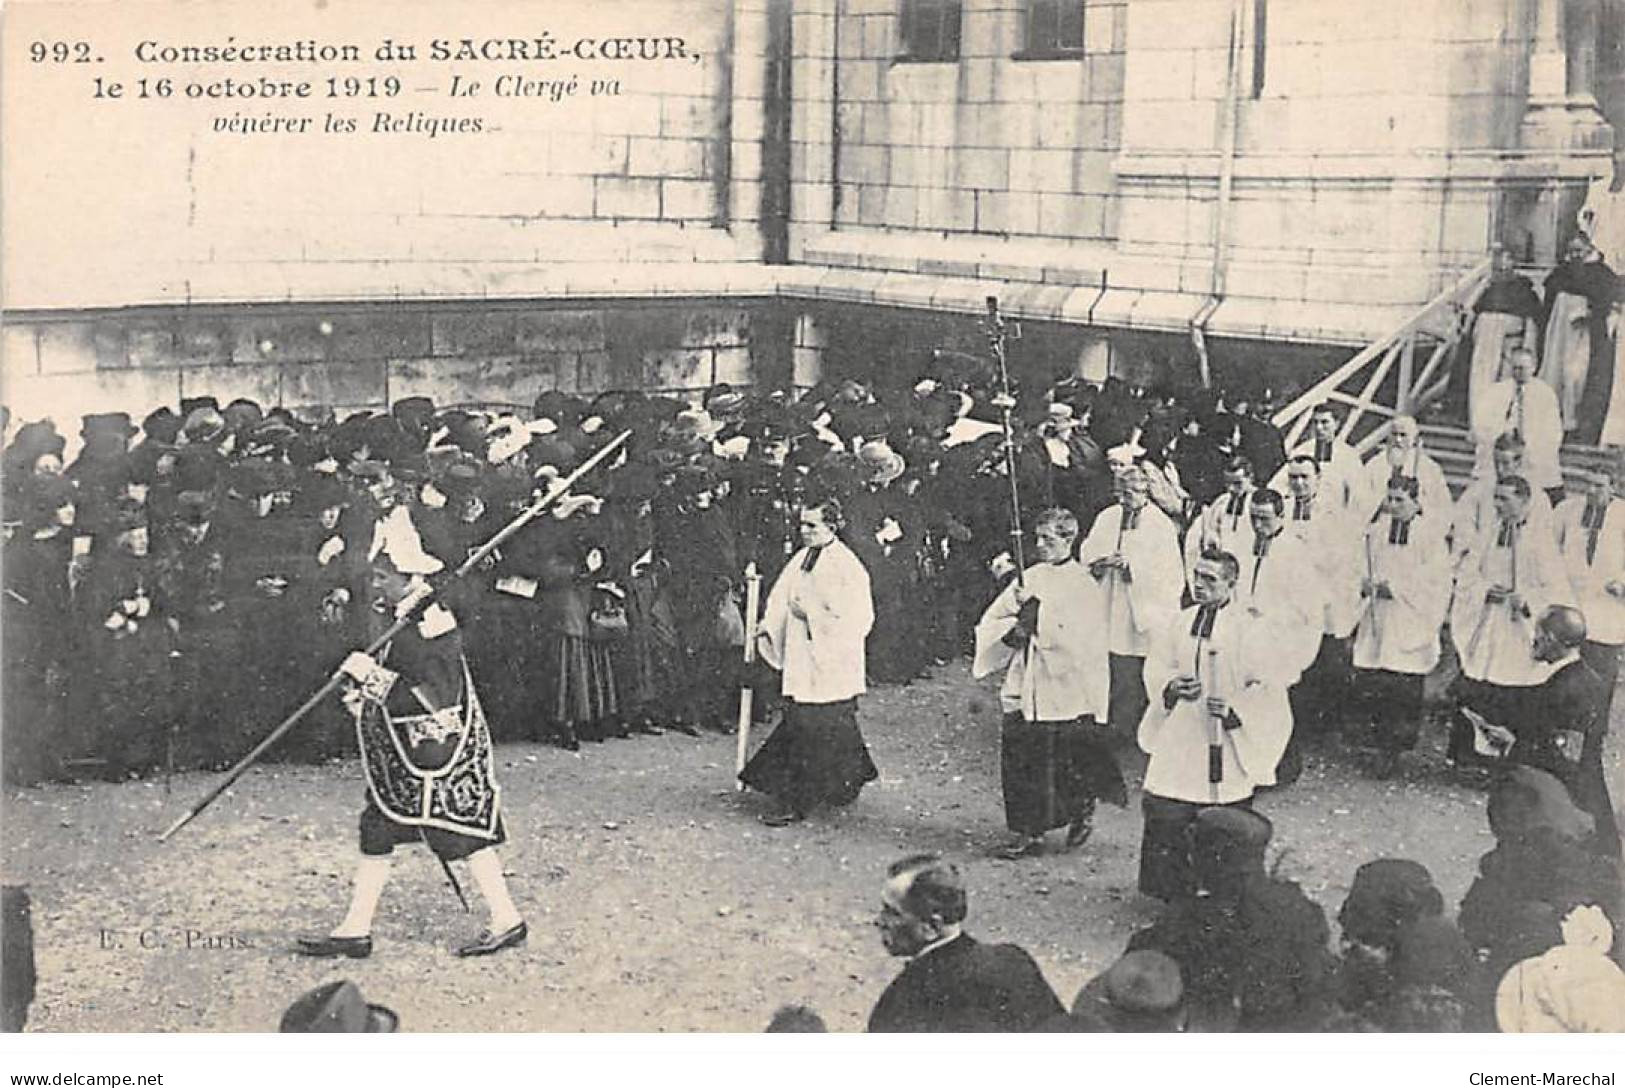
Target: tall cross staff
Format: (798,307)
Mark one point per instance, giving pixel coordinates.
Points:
(997,330)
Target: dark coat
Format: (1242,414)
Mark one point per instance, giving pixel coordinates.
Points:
(967,986)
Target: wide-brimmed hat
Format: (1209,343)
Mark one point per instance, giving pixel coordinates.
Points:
(879,463)
(203,424)
(337,1007)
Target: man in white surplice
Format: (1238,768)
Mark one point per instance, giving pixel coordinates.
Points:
(1527,408)
(1044,630)
(1216,727)
(1405,583)
(1506,577)
(1132,551)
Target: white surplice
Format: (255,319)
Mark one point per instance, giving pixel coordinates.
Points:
(820,654)
(1492,640)
(1537,418)
(1131,608)
(1604,612)
(1401,633)
(1228,664)
(1062,674)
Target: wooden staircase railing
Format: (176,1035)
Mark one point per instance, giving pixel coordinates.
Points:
(1383,380)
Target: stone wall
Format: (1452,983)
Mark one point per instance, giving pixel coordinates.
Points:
(353,357)
(150,202)
(994,144)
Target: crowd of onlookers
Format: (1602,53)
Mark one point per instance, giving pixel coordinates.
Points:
(182,582)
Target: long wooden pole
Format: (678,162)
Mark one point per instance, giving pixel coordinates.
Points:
(753,594)
(525,518)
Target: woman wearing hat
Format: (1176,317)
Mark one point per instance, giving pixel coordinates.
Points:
(39,641)
(123,687)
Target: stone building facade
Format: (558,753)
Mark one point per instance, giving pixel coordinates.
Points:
(798,185)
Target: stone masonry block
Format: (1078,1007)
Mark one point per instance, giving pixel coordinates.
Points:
(595,372)
(541,332)
(982,169)
(151,342)
(80,347)
(278,338)
(687,199)
(587,153)
(655,157)
(682,368)
(714,328)
(1061,214)
(378,335)
(684,116)
(458,333)
(1093,171)
(991,212)
(503,378)
(1098,26)
(333,383)
(902,206)
(626,198)
(565,197)
(1021,213)
(1058,127)
(732,365)
(1106,76)
(203,341)
(19,352)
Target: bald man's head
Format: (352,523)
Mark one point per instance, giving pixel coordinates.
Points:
(1561,629)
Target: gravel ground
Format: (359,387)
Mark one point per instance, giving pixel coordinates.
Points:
(655,899)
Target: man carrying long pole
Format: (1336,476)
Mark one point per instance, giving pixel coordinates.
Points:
(426,749)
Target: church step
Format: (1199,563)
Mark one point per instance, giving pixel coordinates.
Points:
(1452,447)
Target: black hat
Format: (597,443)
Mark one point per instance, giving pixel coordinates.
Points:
(162,425)
(414,413)
(107,423)
(242,415)
(192,404)
(1387,894)
(1229,844)
(304,450)
(36,439)
(337,1007)
(270,436)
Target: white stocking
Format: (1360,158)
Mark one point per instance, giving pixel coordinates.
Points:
(486,866)
(371,874)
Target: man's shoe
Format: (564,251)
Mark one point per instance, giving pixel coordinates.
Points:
(1078,832)
(487,942)
(782,819)
(325,947)
(1021,848)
